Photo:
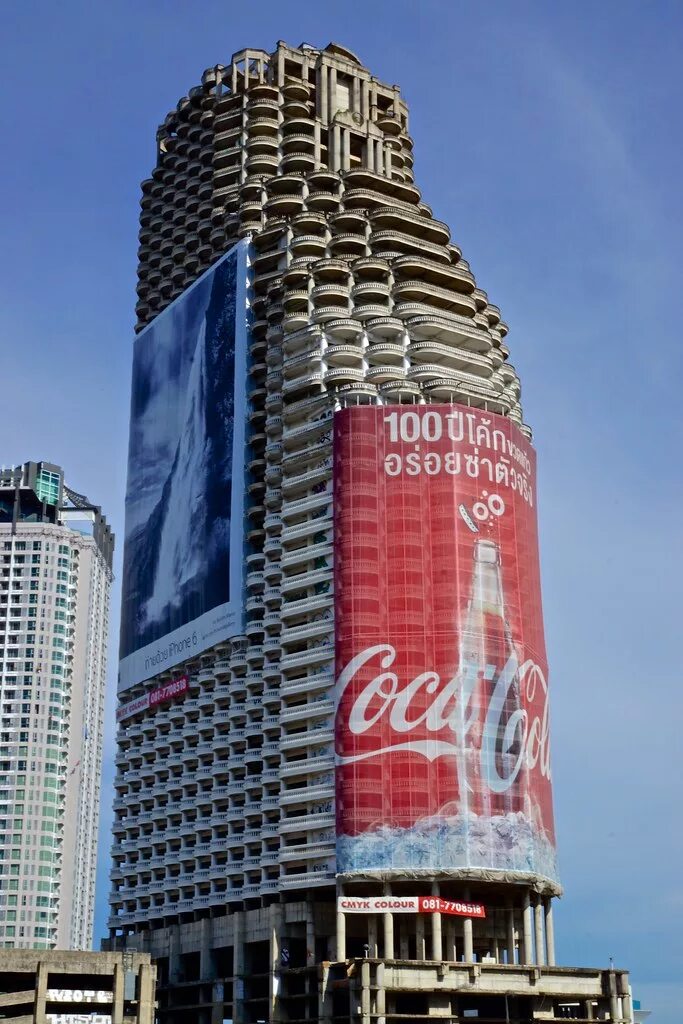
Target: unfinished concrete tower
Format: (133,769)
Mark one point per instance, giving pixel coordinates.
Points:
(342,810)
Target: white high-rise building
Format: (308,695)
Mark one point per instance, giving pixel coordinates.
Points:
(55,579)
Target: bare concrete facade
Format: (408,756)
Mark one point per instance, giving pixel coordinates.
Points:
(262,965)
(36,986)
(224,835)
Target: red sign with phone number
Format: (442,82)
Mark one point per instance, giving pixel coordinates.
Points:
(176,688)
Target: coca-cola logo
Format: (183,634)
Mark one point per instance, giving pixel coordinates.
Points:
(451,717)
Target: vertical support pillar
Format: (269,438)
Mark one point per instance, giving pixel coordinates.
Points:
(340,953)
(540,943)
(206,966)
(588,1009)
(403,947)
(372,935)
(238,967)
(453,944)
(437,943)
(40,994)
(332,95)
(145,1010)
(468,934)
(334,133)
(322,93)
(325,997)
(527,945)
(317,150)
(365,992)
(613,998)
(380,994)
(370,153)
(549,931)
(174,955)
(275,929)
(310,931)
(626,1001)
(388,929)
(346,149)
(420,951)
(468,940)
(365,98)
(117,995)
(510,929)
(356,94)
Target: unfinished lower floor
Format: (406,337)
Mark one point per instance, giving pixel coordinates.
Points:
(301,960)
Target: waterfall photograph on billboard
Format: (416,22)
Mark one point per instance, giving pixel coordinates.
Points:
(183,548)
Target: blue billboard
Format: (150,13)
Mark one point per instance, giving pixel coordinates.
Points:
(183,557)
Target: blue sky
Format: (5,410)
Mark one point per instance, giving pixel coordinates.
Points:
(548,137)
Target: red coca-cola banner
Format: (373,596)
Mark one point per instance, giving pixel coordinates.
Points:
(442,698)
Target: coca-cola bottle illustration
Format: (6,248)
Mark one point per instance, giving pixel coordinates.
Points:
(490,769)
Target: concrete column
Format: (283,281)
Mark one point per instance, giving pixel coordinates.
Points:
(310,932)
(372,935)
(527,952)
(41,991)
(345,149)
(468,933)
(174,954)
(317,151)
(145,1009)
(437,943)
(421,952)
(322,93)
(365,992)
(206,967)
(549,931)
(613,998)
(332,95)
(365,98)
(468,940)
(117,995)
(403,948)
(379,162)
(626,1002)
(388,929)
(336,147)
(453,944)
(540,944)
(340,953)
(275,929)
(370,153)
(325,997)
(380,995)
(588,1009)
(238,967)
(356,94)
(340,950)
(510,929)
